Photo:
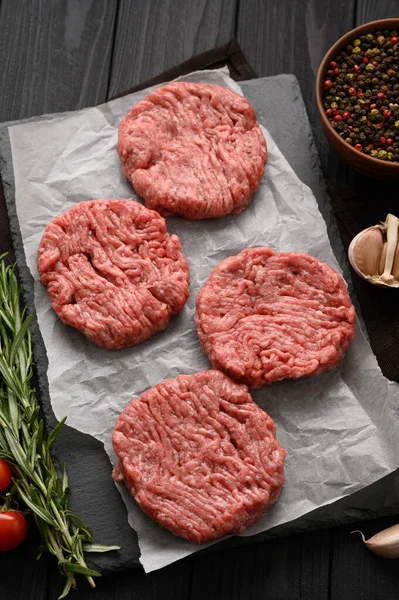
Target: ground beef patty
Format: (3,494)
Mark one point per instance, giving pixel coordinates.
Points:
(199,456)
(194,150)
(112,271)
(263,316)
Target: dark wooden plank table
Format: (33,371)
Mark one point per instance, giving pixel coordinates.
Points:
(66,54)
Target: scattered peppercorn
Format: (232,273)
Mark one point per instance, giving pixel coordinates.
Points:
(361,94)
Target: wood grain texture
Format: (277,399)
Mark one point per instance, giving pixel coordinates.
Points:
(292,36)
(55,55)
(316,556)
(154,35)
(371,10)
(246,573)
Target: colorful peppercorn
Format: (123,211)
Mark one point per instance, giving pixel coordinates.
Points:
(361,94)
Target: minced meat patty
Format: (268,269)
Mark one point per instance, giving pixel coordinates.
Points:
(264,316)
(199,456)
(194,150)
(112,271)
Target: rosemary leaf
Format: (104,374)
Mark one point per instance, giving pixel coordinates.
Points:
(98,548)
(53,435)
(74,568)
(67,587)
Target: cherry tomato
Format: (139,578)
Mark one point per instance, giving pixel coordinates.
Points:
(13,529)
(5,475)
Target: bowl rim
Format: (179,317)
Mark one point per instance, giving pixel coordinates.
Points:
(329,55)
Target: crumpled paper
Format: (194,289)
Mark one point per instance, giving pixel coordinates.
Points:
(338,428)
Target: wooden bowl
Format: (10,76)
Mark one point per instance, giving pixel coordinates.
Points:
(367,165)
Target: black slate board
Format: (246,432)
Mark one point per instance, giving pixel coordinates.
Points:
(94,496)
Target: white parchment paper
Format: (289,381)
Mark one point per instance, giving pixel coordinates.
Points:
(338,427)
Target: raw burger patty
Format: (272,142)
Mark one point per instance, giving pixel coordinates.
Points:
(199,456)
(194,150)
(112,271)
(263,316)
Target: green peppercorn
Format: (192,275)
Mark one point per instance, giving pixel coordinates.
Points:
(370,67)
(356,50)
(357,42)
(348,140)
(374,153)
(397,124)
(369,37)
(382,154)
(389,155)
(335,105)
(380,40)
(363,119)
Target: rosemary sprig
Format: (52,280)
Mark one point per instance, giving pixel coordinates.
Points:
(24,446)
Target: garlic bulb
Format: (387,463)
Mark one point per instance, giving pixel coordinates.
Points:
(374,253)
(384,543)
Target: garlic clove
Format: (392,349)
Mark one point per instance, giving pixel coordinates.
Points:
(384,543)
(365,251)
(374,253)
